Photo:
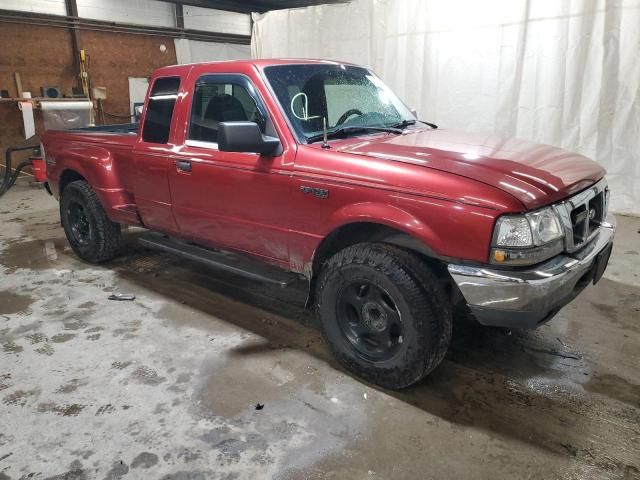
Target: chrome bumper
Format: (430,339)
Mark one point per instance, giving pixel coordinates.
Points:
(527,298)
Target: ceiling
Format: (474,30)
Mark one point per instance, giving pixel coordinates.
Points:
(248,6)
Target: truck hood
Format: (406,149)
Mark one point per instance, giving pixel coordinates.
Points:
(534,173)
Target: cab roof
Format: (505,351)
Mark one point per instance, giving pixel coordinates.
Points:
(240,64)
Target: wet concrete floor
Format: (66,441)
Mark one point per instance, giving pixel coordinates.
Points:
(167,386)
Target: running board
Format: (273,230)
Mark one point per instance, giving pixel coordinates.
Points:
(226,261)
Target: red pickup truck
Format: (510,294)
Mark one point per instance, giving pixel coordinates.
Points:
(317,168)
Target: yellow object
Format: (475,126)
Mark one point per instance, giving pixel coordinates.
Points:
(499,256)
(84,82)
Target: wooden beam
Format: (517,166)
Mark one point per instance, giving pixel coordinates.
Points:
(18,83)
(227,5)
(179,16)
(249,6)
(72,13)
(72,8)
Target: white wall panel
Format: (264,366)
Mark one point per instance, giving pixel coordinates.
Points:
(141,12)
(561,72)
(52,7)
(210,20)
(192,51)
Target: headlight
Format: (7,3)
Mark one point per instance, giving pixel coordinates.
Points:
(527,239)
(545,226)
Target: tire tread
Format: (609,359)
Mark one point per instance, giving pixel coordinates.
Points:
(107,232)
(422,292)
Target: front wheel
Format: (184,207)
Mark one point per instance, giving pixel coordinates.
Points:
(91,234)
(384,314)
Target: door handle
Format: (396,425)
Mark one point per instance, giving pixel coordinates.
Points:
(183,165)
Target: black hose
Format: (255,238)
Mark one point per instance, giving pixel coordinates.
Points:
(10,178)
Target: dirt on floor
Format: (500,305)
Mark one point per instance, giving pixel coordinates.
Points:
(205,375)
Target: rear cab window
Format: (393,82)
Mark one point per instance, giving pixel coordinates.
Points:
(160,106)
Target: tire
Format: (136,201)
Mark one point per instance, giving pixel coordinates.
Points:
(89,231)
(384,314)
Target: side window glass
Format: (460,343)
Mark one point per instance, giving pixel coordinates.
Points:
(220,102)
(162,100)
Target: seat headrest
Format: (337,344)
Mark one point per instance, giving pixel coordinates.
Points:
(225,108)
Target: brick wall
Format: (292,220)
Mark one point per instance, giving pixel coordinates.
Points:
(42,55)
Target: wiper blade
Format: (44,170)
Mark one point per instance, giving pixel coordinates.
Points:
(343,131)
(432,125)
(404,124)
(407,123)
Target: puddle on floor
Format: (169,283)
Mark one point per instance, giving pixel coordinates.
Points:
(615,387)
(253,374)
(228,393)
(11,302)
(34,254)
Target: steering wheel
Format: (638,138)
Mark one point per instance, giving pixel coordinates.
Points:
(347,114)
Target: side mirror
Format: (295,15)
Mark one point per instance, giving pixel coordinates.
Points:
(414,112)
(245,137)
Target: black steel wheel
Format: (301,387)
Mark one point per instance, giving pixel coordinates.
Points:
(91,234)
(384,313)
(79,223)
(370,320)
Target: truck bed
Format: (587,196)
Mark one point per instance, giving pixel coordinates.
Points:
(103,156)
(119,137)
(130,128)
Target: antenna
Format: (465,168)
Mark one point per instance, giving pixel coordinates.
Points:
(325,144)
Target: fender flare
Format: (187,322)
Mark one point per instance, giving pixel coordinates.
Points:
(403,230)
(99,172)
(383,214)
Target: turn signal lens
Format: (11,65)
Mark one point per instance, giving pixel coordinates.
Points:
(513,231)
(526,256)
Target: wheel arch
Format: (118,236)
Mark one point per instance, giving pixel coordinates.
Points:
(354,232)
(374,221)
(67,176)
(359,231)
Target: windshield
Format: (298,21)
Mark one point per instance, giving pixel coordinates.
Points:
(346,96)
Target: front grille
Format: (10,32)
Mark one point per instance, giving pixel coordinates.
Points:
(579,222)
(596,212)
(586,219)
(583,214)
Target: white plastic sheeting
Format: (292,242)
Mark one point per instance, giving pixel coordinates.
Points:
(192,51)
(561,72)
(64,115)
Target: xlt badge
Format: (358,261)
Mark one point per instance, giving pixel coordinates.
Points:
(318,192)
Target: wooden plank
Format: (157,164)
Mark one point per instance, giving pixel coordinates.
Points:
(18,83)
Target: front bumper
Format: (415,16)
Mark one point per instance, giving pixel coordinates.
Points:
(528,298)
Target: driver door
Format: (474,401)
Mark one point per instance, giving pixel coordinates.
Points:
(231,200)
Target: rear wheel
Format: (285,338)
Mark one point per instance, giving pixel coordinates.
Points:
(91,234)
(384,314)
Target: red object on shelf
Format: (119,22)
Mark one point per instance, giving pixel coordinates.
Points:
(39,169)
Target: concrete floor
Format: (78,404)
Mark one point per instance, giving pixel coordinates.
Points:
(166,386)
